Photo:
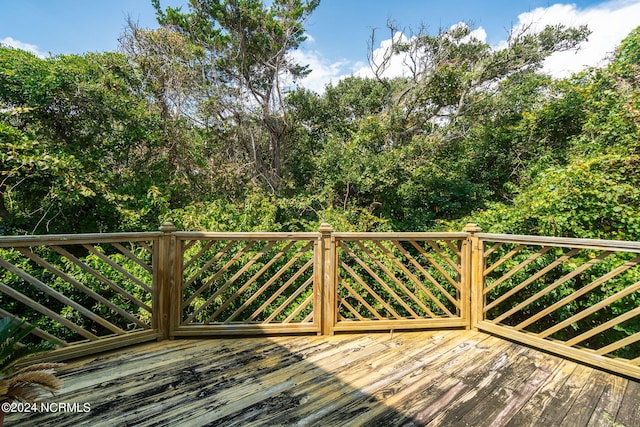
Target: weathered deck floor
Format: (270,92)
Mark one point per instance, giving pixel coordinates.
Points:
(440,378)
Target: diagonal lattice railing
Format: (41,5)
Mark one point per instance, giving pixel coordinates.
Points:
(247,282)
(88,293)
(80,291)
(576,297)
(387,280)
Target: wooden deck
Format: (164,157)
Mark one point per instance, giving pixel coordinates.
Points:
(439,378)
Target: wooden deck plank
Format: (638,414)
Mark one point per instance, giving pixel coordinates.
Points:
(530,414)
(505,400)
(506,368)
(565,397)
(607,408)
(386,367)
(319,393)
(383,377)
(142,371)
(440,378)
(235,383)
(629,411)
(287,388)
(424,392)
(583,408)
(236,389)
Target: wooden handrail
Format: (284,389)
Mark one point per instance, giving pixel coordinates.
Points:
(565,242)
(201,235)
(74,239)
(562,295)
(212,283)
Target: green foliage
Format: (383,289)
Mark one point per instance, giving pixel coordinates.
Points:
(192,124)
(593,193)
(12,331)
(437,144)
(213,133)
(83,275)
(70,124)
(257,212)
(598,198)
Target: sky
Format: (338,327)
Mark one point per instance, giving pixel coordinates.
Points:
(338,30)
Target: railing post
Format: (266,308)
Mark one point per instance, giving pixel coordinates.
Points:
(473,277)
(164,279)
(327,287)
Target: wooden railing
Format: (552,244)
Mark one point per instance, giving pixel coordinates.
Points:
(398,281)
(579,298)
(245,283)
(88,293)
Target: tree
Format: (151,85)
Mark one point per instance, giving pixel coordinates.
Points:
(167,63)
(172,71)
(246,67)
(594,193)
(75,130)
(452,77)
(437,142)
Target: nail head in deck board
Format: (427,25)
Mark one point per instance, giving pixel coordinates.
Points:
(373,379)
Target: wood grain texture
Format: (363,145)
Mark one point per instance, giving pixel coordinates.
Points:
(439,378)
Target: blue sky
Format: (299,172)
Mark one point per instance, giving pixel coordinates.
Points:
(339,29)
(344,26)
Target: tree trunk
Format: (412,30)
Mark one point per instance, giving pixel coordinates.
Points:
(4,212)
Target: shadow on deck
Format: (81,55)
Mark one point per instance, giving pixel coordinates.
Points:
(439,378)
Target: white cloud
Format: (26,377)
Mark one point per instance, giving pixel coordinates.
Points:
(609,22)
(391,65)
(11,42)
(398,65)
(323,71)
